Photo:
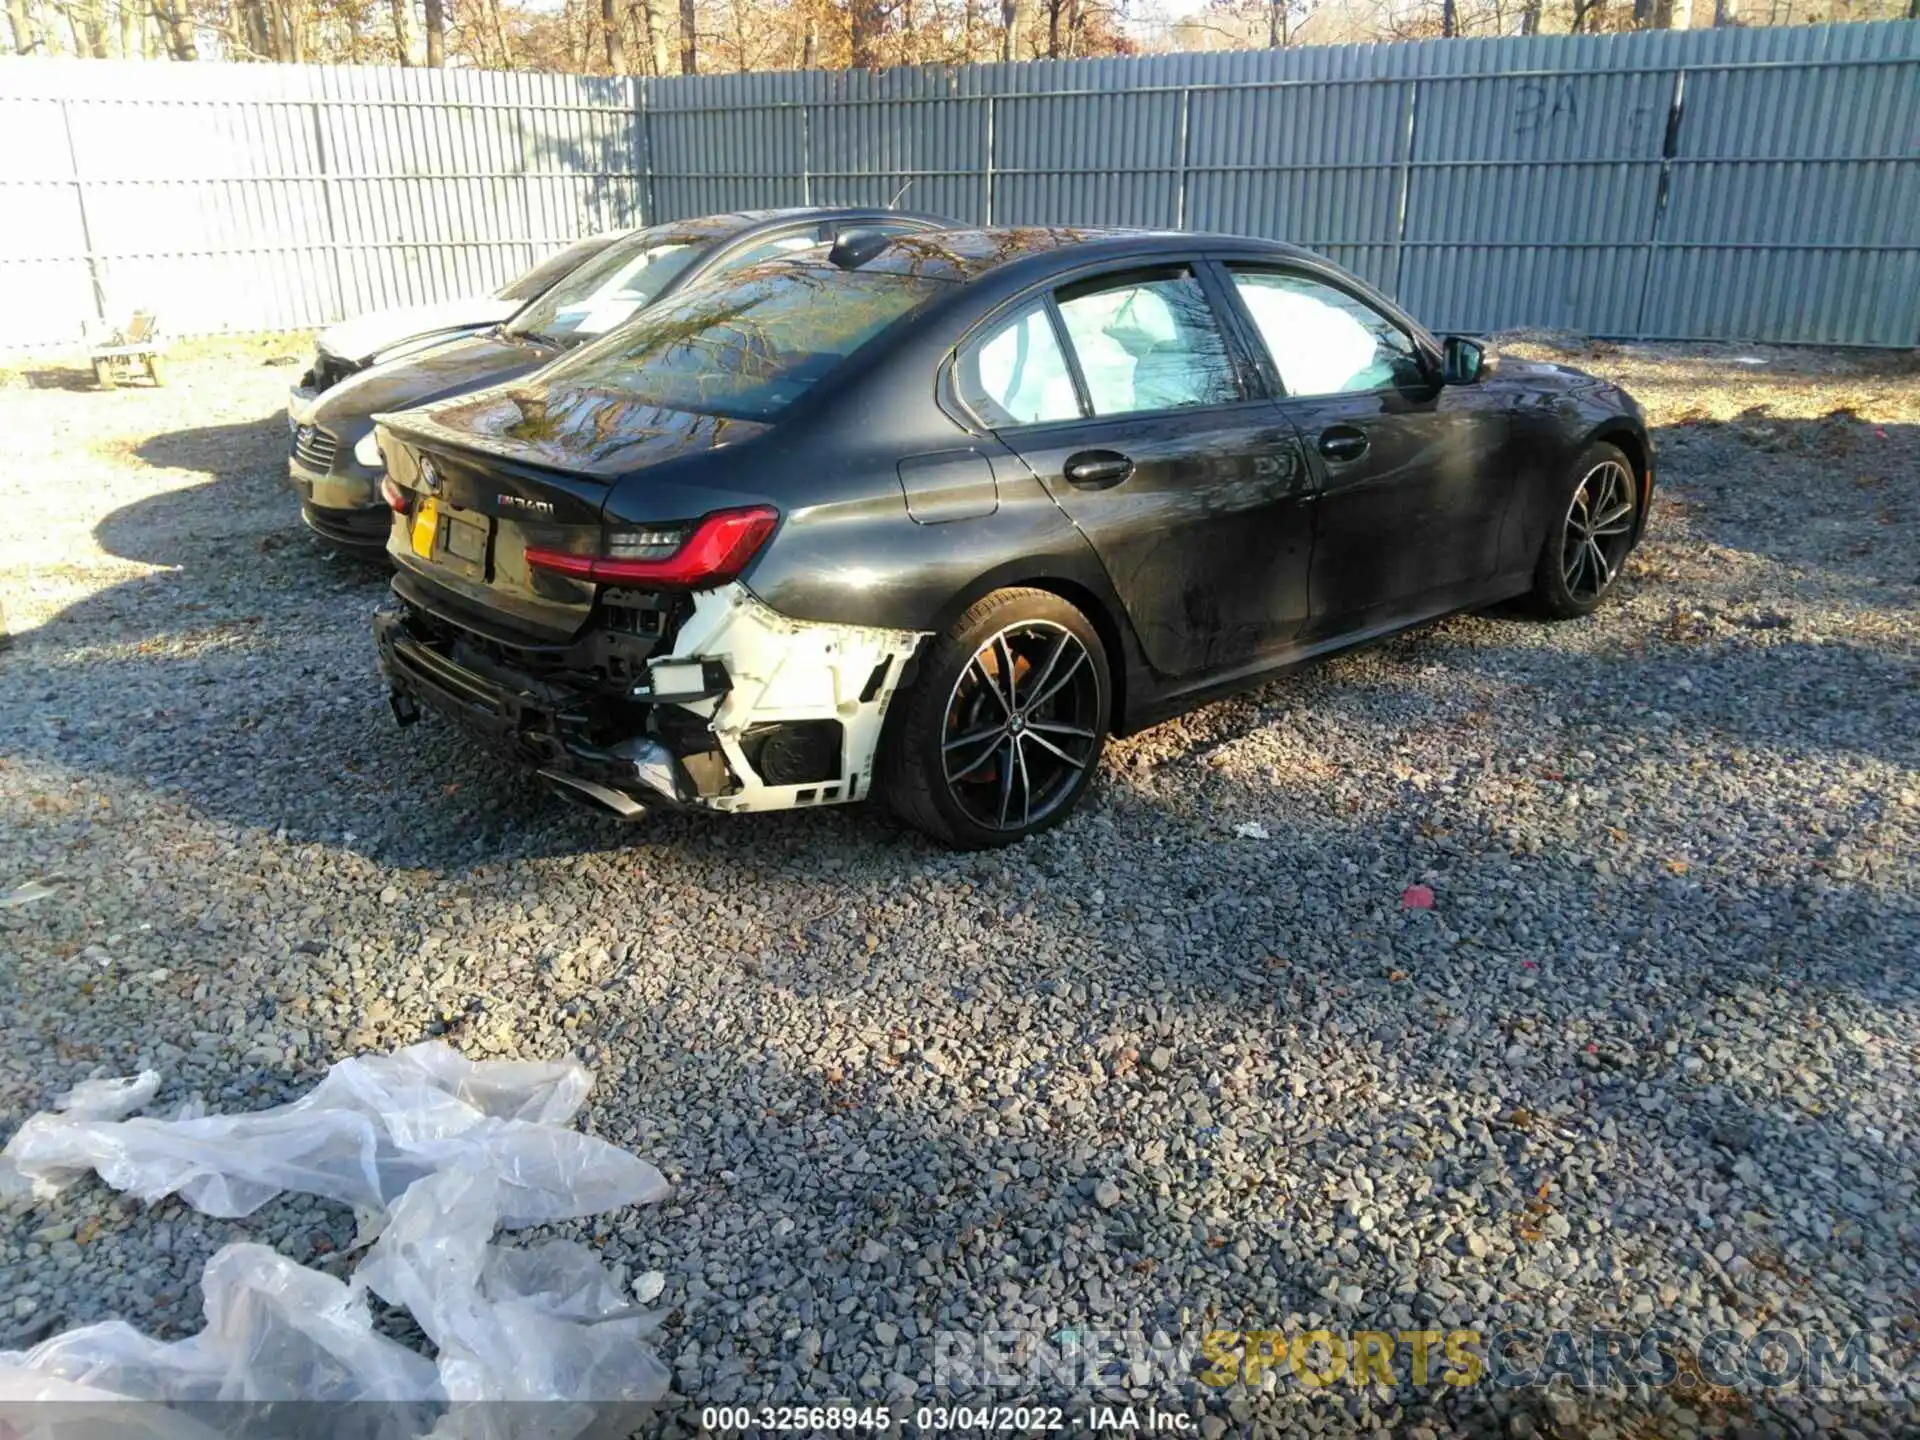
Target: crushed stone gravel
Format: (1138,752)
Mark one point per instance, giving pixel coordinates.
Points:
(1189,1062)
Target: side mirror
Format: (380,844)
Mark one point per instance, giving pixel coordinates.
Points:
(1463,360)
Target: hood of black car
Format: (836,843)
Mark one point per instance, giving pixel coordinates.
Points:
(1543,373)
(455,368)
(602,433)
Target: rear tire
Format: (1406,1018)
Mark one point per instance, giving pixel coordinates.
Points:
(1595,516)
(103,375)
(1001,731)
(156,370)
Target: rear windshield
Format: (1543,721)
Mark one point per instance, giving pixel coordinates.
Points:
(613,286)
(541,277)
(750,347)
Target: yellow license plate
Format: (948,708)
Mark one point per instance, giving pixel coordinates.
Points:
(426,521)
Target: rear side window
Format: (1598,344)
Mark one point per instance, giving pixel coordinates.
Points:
(1017,375)
(1148,342)
(609,289)
(543,276)
(1323,341)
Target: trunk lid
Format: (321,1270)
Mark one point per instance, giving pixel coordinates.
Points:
(496,474)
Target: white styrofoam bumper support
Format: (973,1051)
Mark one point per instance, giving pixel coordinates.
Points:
(786,670)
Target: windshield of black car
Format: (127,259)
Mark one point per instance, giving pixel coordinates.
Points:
(750,346)
(617,283)
(542,276)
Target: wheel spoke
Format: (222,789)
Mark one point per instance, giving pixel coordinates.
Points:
(1573,561)
(1008,674)
(960,742)
(1053,659)
(1055,727)
(1073,668)
(1603,572)
(1048,745)
(975,763)
(1619,524)
(1026,780)
(1006,781)
(986,677)
(1612,512)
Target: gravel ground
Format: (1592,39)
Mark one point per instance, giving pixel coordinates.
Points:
(1648,1058)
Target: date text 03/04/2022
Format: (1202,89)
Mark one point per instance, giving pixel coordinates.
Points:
(934,1419)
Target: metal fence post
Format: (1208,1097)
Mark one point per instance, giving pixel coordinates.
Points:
(1180,196)
(1669,147)
(339,309)
(987,173)
(80,203)
(1407,139)
(806,154)
(643,98)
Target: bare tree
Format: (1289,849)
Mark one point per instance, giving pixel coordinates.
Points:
(179,30)
(866,21)
(689,40)
(1013,15)
(615,41)
(497,21)
(402,30)
(436,34)
(26,34)
(654,27)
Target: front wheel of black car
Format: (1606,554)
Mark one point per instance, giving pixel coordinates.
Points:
(1592,531)
(1001,731)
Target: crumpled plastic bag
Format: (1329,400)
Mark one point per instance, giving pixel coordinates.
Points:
(373,1126)
(275,1331)
(543,1323)
(442,1152)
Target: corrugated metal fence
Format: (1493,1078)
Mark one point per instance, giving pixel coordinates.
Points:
(1739,184)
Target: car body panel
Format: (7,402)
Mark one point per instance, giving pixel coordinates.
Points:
(1207,540)
(360,339)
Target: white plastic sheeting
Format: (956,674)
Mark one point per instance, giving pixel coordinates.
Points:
(371,1128)
(437,1153)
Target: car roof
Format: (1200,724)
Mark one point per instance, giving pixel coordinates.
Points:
(738,222)
(964,255)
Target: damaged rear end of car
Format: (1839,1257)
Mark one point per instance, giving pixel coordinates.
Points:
(571,564)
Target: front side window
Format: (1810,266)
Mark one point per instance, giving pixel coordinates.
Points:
(1322,340)
(748,350)
(1148,342)
(609,289)
(1016,375)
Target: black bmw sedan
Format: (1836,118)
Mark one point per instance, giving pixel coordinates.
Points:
(335,463)
(930,518)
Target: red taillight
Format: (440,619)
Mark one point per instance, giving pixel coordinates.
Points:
(717,549)
(395,497)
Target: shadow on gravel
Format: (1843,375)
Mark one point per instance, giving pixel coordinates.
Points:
(246,680)
(1855,510)
(248,504)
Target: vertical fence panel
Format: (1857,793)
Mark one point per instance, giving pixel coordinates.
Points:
(1739,184)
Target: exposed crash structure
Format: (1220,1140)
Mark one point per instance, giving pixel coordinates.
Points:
(743,709)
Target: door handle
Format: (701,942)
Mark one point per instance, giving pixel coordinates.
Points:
(1343,442)
(1097,469)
